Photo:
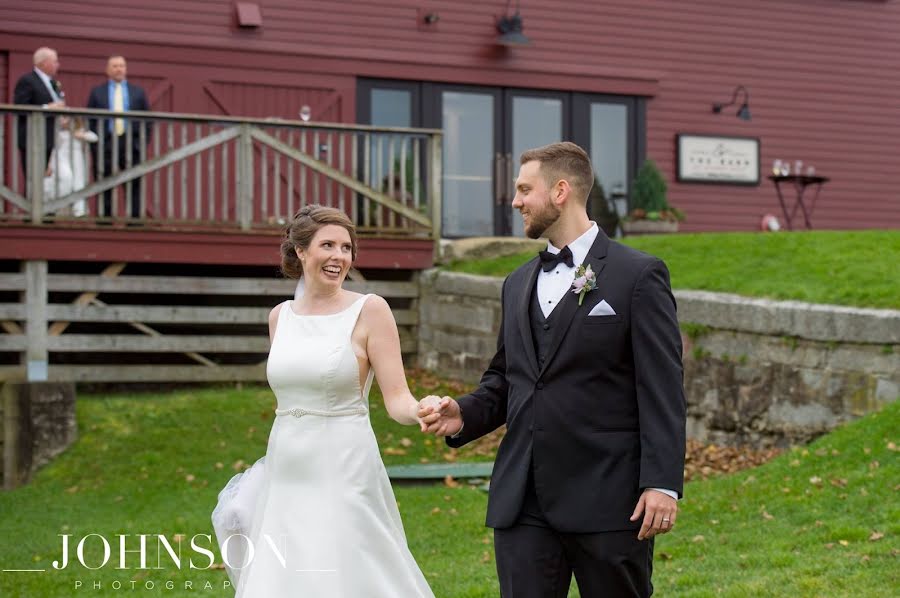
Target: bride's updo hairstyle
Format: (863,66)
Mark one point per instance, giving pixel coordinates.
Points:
(301,230)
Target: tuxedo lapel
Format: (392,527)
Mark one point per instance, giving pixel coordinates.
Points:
(39,86)
(523,306)
(567,308)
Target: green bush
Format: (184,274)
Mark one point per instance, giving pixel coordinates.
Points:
(648,196)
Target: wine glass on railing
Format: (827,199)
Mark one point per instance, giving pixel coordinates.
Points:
(305,113)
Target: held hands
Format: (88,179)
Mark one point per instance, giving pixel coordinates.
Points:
(659,511)
(439,416)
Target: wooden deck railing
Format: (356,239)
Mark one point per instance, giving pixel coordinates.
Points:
(214,172)
(152,328)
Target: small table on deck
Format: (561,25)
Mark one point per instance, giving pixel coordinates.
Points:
(800,183)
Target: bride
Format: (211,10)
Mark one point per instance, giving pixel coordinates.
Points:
(316,517)
(66,171)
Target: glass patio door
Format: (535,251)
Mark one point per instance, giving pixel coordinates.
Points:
(532,119)
(486,129)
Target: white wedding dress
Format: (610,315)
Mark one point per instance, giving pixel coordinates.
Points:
(318,509)
(68,164)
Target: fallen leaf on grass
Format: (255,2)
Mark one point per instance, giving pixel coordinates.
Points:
(698,538)
(450,482)
(876,536)
(815,480)
(406,442)
(394,451)
(843,542)
(767,516)
(839,482)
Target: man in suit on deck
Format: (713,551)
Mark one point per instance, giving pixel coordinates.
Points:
(39,87)
(590,387)
(119,95)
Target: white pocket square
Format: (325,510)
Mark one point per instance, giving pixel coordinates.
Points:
(602,309)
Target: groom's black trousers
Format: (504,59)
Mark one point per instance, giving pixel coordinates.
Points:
(535,561)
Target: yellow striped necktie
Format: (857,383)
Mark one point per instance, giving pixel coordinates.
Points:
(119,106)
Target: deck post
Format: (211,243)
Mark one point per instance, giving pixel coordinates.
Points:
(37,142)
(436,163)
(36,353)
(245,177)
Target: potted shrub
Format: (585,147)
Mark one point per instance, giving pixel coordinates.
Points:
(650,211)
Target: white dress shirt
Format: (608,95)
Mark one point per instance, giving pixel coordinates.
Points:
(552,286)
(48,84)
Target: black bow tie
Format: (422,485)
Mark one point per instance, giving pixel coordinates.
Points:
(550,260)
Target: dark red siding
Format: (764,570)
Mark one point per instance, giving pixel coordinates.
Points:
(823,75)
(4,77)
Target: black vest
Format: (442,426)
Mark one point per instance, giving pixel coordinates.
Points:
(541,331)
(541,327)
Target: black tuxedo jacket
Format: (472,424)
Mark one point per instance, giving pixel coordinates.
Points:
(604,418)
(31,90)
(137,101)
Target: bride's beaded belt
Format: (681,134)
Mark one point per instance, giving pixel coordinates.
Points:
(301,411)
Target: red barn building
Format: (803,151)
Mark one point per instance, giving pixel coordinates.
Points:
(621,77)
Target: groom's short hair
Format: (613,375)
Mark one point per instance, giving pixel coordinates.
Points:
(564,160)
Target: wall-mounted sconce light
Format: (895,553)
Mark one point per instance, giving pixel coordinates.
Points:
(743,112)
(510,28)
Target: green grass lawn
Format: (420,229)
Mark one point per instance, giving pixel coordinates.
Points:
(846,268)
(820,521)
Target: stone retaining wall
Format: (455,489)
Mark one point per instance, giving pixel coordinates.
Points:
(757,371)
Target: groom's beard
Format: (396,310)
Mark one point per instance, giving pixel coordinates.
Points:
(541,220)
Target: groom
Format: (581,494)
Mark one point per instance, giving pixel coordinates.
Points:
(592,462)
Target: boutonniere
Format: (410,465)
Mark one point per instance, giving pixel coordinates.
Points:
(585,282)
